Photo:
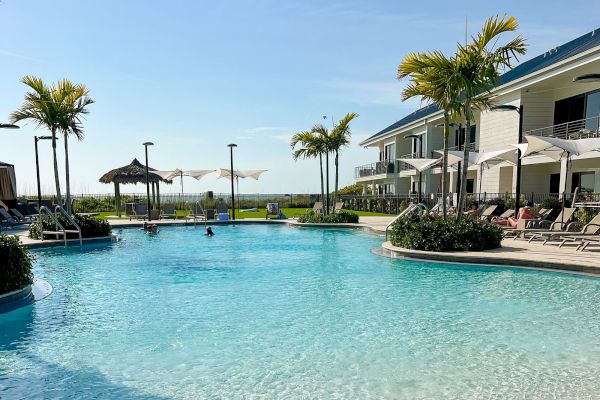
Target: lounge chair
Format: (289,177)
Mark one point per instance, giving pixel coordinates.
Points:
(139,211)
(272,209)
(525,228)
(318,207)
(589,230)
(196,214)
(168,211)
(26,219)
(338,207)
(587,241)
(505,215)
(487,213)
(6,219)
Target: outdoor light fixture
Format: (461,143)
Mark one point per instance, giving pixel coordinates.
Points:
(9,126)
(36,139)
(231,146)
(519,109)
(587,78)
(146,144)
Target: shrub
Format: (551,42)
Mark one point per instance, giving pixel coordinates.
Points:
(552,203)
(90,227)
(424,232)
(510,202)
(354,189)
(15,269)
(343,217)
(585,215)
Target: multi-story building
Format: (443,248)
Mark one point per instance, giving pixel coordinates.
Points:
(553,105)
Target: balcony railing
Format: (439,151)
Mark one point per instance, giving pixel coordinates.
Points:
(376,168)
(472,147)
(579,129)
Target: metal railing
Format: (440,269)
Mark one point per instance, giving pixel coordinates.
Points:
(422,208)
(376,168)
(59,209)
(472,147)
(57,225)
(579,129)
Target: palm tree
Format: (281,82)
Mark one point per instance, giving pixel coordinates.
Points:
(312,146)
(74,104)
(340,138)
(430,79)
(59,109)
(478,70)
(324,141)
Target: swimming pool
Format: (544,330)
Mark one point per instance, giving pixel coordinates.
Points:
(277,312)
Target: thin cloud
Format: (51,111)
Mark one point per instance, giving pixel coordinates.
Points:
(19,56)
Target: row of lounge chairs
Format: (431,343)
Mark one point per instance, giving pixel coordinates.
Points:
(10,217)
(169,211)
(318,207)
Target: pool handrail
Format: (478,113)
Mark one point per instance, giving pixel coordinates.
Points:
(59,209)
(411,208)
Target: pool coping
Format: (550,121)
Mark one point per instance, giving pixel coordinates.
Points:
(489,258)
(27,295)
(39,244)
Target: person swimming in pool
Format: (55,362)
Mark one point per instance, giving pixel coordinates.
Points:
(209,232)
(151,229)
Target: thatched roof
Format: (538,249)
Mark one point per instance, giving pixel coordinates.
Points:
(132,173)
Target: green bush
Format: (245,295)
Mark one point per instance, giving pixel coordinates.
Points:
(90,227)
(510,202)
(552,203)
(343,217)
(425,232)
(354,189)
(15,268)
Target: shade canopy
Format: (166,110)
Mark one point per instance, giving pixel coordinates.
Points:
(132,174)
(557,149)
(251,173)
(8,182)
(194,173)
(421,164)
(485,157)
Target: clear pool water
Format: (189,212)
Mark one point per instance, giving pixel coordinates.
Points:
(272,312)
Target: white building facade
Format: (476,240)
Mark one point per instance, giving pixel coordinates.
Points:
(553,105)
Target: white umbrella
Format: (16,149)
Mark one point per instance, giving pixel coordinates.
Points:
(559,149)
(194,173)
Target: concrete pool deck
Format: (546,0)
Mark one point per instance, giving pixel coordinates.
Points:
(512,252)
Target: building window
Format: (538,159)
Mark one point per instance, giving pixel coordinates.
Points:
(585,181)
(389,152)
(586,105)
(554,183)
(470,186)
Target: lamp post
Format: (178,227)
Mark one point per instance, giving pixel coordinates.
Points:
(36,139)
(519,110)
(420,139)
(231,146)
(146,144)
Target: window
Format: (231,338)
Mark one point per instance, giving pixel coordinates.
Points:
(592,109)
(459,136)
(578,107)
(554,183)
(389,151)
(585,181)
(470,186)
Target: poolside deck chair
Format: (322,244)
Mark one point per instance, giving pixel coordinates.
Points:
(6,219)
(505,215)
(196,214)
(338,207)
(525,230)
(487,213)
(26,219)
(272,209)
(318,207)
(587,241)
(139,211)
(168,211)
(589,230)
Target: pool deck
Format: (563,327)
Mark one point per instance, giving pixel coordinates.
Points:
(512,252)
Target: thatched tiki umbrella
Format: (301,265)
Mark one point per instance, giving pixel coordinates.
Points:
(133,173)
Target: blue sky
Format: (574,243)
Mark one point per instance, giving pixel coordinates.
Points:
(193,76)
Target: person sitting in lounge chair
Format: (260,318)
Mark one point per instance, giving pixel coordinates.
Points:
(525,212)
(473,211)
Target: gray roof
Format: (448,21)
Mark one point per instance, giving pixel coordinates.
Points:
(553,56)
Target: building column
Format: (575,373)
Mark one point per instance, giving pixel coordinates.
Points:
(364,189)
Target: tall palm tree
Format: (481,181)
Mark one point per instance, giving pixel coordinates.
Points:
(478,69)
(74,104)
(430,79)
(59,108)
(324,139)
(340,138)
(311,146)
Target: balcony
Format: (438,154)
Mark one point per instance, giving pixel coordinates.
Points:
(579,129)
(472,147)
(376,168)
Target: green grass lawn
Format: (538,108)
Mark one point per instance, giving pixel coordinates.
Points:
(289,212)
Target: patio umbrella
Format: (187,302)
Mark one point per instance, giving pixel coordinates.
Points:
(560,149)
(194,173)
(237,174)
(133,173)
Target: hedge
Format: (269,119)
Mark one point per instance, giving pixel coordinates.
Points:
(15,268)
(425,232)
(342,217)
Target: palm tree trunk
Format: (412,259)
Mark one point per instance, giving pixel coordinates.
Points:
(322,188)
(56,176)
(445,167)
(465,167)
(327,180)
(67,176)
(335,189)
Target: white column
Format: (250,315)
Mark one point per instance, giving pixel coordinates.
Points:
(597,182)
(563,176)
(364,189)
